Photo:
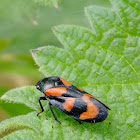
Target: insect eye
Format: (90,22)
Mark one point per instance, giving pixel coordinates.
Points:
(38,87)
(58,83)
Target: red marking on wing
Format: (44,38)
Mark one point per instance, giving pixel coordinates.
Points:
(68,104)
(92,110)
(66,83)
(58,91)
(80,89)
(89,96)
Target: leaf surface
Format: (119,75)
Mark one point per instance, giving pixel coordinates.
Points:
(48,2)
(26,95)
(104,61)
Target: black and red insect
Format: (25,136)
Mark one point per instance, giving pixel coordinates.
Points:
(71,100)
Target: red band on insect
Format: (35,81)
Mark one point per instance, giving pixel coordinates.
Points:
(80,89)
(68,104)
(92,110)
(66,83)
(58,91)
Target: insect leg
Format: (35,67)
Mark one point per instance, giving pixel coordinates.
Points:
(42,109)
(53,113)
(78,121)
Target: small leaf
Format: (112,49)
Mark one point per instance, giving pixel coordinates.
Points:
(25,134)
(26,95)
(29,121)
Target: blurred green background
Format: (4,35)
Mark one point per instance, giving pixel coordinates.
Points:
(26,25)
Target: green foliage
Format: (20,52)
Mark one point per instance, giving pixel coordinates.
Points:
(105,62)
(25,96)
(48,2)
(25,122)
(14,109)
(25,25)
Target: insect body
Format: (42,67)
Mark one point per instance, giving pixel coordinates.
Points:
(71,100)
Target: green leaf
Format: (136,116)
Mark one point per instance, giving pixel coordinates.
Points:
(105,62)
(22,135)
(24,121)
(48,2)
(25,24)
(12,109)
(56,61)
(29,121)
(26,95)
